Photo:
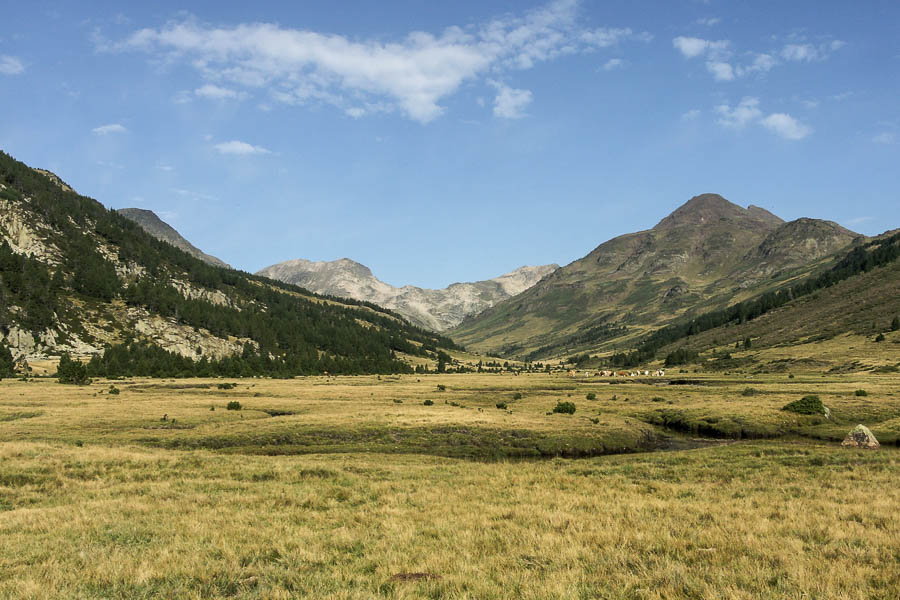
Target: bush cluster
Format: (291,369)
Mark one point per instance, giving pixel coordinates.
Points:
(808,405)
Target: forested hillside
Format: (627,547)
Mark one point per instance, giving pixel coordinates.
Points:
(76,277)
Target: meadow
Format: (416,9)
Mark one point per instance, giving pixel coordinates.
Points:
(422,487)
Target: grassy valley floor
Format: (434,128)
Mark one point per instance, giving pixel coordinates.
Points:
(353,488)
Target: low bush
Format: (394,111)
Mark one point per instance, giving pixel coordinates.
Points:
(749,391)
(233,405)
(501,405)
(808,405)
(861,393)
(565,408)
(429,402)
(591,396)
(518,396)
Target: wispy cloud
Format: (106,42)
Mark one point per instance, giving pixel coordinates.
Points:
(886,138)
(108,129)
(708,21)
(722,63)
(612,64)
(413,74)
(240,148)
(691,115)
(786,126)
(748,112)
(214,92)
(510,103)
(10,65)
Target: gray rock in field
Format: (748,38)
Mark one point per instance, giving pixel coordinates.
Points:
(860,437)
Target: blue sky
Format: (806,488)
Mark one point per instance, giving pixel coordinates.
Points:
(455,141)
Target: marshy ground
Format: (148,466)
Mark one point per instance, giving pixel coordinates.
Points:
(359,487)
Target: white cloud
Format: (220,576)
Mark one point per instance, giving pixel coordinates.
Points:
(510,103)
(885,138)
(10,65)
(722,71)
(809,52)
(786,126)
(748,112)
(613,63)
(800,52)
(724,66)
(214,92)
(692,47)
(738,117)
(414,74)
(240,148)
(111,128)
(708,21)
(691,115)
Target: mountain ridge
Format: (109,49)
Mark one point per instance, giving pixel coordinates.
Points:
(432,309)
(152,224)
(704,254)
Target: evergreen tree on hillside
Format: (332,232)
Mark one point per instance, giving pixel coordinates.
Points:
(71,371)
(6,362)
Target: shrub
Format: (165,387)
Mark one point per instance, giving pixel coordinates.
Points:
(233,405)
(398,401)
(591,396)
(72,371)
(808,405)
(429,402)
(879,337)
(895,324)
(518,396)
(113,390)
(861,393)
(226,386)
(501,405)
(441,387)
(566,408)
(749,391)
(657,399)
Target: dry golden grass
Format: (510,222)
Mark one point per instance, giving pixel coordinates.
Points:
(129,513)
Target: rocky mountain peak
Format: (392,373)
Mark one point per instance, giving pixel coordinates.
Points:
(437,310)
(152,224)
(708,209)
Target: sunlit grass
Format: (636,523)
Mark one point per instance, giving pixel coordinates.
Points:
(99,500)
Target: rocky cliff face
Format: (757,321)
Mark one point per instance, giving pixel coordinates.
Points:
(436,310)
(162,231)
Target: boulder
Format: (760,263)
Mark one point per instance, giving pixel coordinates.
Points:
(860,437)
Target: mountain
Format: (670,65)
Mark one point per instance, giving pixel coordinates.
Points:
(78,278)
(437,310)
(161,230)
(706,254)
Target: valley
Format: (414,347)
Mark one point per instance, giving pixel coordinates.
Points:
(355,487)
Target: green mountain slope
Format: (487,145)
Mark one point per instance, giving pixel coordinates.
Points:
(78,278)
(707,254)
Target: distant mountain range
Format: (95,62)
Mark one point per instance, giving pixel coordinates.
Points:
(125,286)
(161,230)
(436,310)
(706,254)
